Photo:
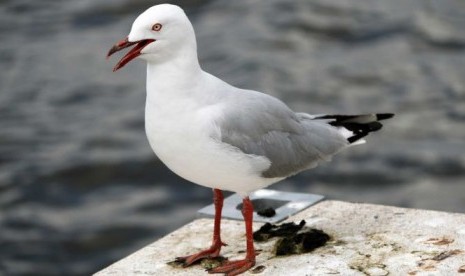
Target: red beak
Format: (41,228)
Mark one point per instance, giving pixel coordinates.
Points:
(132,54)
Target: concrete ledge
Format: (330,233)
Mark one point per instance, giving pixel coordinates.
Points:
(367,240)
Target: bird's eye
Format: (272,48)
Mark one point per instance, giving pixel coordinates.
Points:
(156,27)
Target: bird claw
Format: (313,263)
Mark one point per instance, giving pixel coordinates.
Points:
(212,252)
(232,268)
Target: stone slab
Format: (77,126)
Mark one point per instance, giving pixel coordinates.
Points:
(366,240)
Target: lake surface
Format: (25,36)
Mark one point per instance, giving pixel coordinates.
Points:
(79,185)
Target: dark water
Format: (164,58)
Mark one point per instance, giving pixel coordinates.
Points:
(79,185)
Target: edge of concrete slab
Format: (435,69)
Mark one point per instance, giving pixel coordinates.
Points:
(366,240)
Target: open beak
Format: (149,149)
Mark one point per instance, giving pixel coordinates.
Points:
(132,54)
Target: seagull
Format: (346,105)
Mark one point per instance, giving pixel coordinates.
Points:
(222,137)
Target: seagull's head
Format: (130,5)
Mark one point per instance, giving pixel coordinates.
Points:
(157,35)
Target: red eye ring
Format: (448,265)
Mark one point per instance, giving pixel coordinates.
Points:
(157,27)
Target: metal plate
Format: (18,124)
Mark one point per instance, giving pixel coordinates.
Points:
(285,204)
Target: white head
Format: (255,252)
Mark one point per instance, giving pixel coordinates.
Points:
(160,33)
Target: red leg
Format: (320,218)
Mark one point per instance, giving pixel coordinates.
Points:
(214,250)
(237,267)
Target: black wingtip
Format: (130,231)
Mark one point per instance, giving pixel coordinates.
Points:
(384,116)
(359,125)
(374,126)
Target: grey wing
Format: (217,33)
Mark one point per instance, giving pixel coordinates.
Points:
(264,126)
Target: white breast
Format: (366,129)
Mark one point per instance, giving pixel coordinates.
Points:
(186,139)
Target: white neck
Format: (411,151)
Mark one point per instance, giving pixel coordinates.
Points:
(170,84)
(176,73)
(178,70)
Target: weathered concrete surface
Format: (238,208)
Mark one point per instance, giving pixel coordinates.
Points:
(367,240)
